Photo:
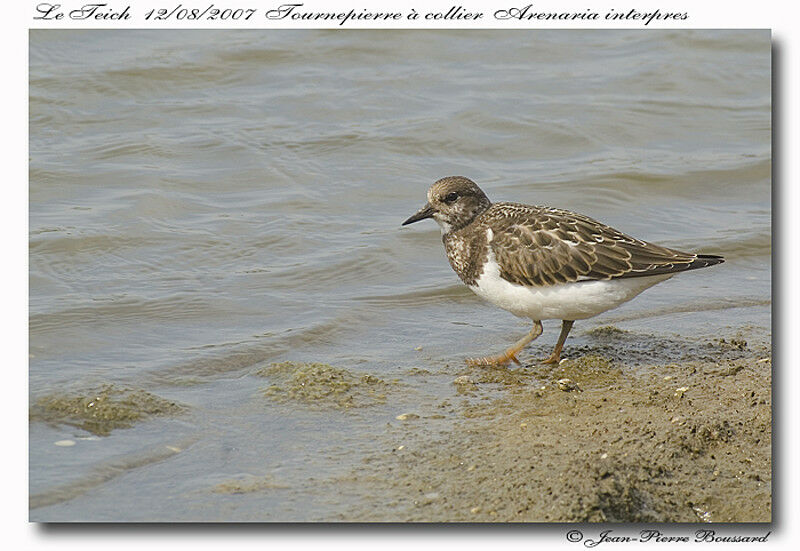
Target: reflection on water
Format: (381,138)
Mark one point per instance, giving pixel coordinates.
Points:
(204,203)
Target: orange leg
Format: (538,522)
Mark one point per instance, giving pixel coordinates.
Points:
(511,353)
(555,357)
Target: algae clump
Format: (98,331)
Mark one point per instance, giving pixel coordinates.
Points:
(323,384)
(592,368)
(606,331)
(103,410)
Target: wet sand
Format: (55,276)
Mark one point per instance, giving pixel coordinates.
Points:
(646,429)
(629,427)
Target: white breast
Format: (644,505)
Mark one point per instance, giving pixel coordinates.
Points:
(570,301)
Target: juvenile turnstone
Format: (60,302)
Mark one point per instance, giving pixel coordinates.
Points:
(542,262)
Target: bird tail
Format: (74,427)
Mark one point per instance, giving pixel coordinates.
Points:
(704,260)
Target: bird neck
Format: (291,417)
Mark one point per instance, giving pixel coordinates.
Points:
(466,217)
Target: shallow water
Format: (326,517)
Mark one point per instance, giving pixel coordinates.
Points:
(205,203)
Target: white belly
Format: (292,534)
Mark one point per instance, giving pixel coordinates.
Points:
(567,301)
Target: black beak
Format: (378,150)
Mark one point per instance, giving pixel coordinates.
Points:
(421,214)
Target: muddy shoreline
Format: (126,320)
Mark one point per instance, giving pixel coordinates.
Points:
(648,429)
(629,427)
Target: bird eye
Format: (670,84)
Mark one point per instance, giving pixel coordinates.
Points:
(450,197)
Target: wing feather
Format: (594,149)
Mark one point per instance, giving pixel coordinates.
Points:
(546,246)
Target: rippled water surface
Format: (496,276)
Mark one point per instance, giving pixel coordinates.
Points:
(205,204)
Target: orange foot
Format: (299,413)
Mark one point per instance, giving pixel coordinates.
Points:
(511,353)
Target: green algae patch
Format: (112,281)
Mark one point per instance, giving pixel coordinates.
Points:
(503,375)
(103,410)
(248,485)
(605,332)
(591,370)
(323,385)
(591,362)
(732,343)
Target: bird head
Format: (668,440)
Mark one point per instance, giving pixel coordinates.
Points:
(453,202)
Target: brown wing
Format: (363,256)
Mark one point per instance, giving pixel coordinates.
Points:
(545,246)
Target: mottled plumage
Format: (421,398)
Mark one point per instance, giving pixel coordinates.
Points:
(543,262)
(541,246)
